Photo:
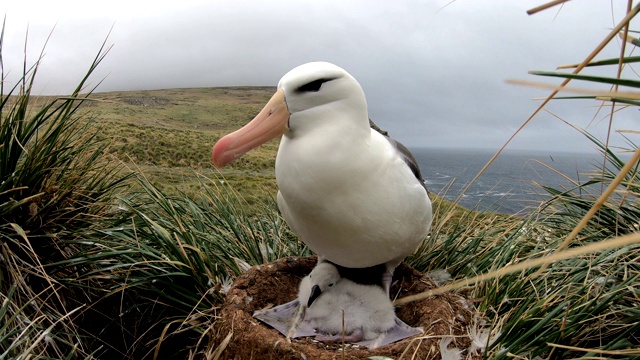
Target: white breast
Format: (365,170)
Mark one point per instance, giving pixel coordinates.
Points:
(358,206)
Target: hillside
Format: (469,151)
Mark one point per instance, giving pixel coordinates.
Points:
(169,134)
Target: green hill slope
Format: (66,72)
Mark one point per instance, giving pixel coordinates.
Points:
(169,134)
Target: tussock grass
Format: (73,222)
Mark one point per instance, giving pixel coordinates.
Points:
(54,181)
(579,306)
(201,242)
(584,306)
(180,255)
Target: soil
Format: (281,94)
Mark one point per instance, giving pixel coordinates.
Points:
(277,283)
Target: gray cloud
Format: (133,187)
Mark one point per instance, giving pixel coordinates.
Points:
(434,72)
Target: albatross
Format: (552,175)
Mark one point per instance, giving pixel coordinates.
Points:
(332,308)
(354,196)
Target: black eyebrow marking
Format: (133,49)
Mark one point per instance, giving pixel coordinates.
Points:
(313,86)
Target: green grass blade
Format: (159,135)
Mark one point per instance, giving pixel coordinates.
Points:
(591,78)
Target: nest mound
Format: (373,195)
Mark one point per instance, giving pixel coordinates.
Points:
(240,336)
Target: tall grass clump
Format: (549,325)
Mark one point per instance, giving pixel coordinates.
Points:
(169,260)
(54,182)
(618,215)
(581,307)
(91,268)
(585,306)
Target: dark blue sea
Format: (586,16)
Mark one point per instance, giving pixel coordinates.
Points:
(508,185)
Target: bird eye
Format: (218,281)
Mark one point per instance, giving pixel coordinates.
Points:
(313,86)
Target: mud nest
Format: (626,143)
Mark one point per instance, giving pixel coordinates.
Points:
(277,283)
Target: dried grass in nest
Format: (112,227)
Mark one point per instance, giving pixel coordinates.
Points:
(240,336)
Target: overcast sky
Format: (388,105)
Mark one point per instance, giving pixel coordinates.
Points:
(433,71)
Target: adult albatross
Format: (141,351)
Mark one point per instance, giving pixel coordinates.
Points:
(353,195)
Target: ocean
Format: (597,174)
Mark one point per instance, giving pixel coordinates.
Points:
(508,185)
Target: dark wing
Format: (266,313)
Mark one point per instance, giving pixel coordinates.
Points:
(407,156)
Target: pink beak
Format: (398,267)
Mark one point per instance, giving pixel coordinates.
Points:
(271,122)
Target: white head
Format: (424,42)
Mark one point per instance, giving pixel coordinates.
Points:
(323,277)
(311,86)
(309,97)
